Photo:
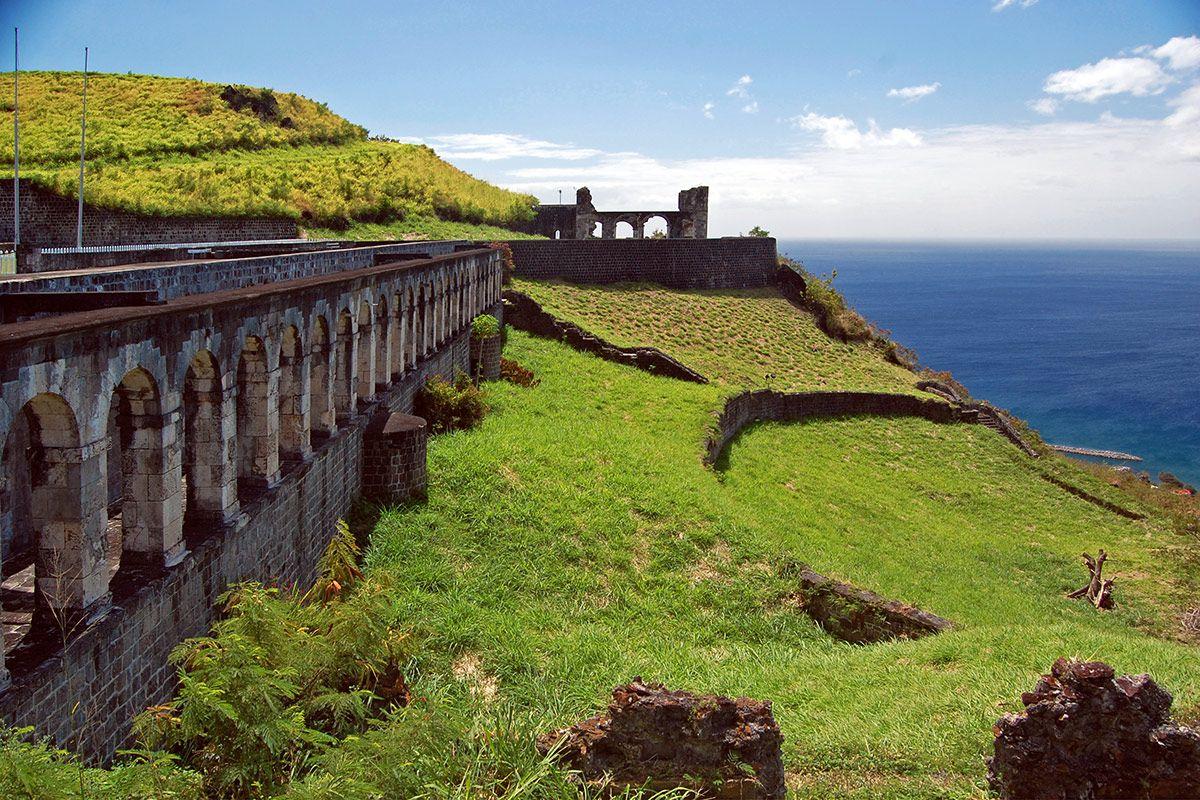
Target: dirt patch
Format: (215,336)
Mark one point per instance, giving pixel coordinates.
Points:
(469,669)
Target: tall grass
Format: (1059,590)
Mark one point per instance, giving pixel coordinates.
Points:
(174,147)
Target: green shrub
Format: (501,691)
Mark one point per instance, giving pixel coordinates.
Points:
(450,406)
(485,326)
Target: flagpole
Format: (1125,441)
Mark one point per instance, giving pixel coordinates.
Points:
(82,152)
(16,140)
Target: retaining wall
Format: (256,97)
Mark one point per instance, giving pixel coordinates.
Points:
(769,405)
(49,220)
(729,263)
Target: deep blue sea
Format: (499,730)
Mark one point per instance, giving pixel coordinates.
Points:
(1095,346)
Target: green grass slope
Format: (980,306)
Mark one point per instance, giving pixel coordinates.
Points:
(177,146)
(574,540)
(741,339)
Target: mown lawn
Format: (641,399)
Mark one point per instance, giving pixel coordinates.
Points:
(574,541)
(740,339)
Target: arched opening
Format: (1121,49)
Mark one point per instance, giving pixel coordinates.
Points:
(343,382)
(257,422)
(209,467)
(558,234)
(56,568)
(624,230)
(410,309)
(322,417)
(656,228)
(597,231)
(294,399)
(366,353)
(383,347)
(144,477)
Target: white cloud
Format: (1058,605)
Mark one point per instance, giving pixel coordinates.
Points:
(751,107)
(1181,52)
(1046,106)
(1109,178)
(741,88)
(854,73)
(911,94)
(841,133)
(499,146)
(1109,76)
(708,110)
(1000,5)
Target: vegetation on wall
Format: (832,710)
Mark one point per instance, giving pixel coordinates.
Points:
(176,146)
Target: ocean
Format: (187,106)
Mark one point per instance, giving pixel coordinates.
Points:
(1094,345)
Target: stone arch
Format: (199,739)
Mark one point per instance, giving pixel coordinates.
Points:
(623,230)
(383,345)
(209,425)
(322,416)
(343,388)
(557,233)
(656,227)
(366,352)
(597,231)
(144,476)
(63,572)
(257,419)
(294,398)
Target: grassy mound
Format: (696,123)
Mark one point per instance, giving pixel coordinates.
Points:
(176,146)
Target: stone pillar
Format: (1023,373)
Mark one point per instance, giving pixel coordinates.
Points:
(345,378)
(485,358)
(396,321)
(394,459)
(608,229)
(212,437)
(152,511)
(295,407)
(383,353)
(366,361)
(258,426)
(70,514)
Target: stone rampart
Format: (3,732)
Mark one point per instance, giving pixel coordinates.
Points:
(50,220)
(729,263)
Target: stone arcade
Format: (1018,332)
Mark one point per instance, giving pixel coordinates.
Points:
(154,455)
(583,221)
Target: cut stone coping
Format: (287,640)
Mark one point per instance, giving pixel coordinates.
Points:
(860,616)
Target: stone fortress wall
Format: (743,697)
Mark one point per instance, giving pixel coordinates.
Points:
(50,220)
(583,221)
(152,456)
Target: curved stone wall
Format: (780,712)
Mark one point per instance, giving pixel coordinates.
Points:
(765,405)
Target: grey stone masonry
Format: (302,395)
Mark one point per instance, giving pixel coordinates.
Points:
(394,469)
(730,263)
(485,357)
(154,455)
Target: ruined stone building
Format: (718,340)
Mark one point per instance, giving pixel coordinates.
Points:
(581,220)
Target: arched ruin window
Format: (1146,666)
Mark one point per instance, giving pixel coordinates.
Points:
(209,466)
(558,234)
(597,231)
(343,381)
(294,398)
(257,421)
(624,230)
(322,417)
(656,228)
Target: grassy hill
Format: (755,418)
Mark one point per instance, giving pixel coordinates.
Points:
(574,540)
(177,146)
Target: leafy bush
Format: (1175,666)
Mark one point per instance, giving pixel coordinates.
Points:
(450,406)
(35,769)
(280,679)
(513,372)
(485,326)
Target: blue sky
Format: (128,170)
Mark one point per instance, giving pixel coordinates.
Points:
(971,118)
